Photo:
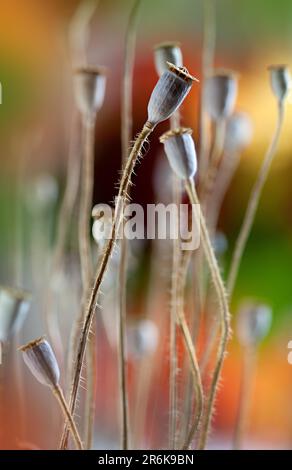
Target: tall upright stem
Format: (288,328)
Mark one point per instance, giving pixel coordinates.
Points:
(223,313)
(249,361)
(209,43)
(90,309)
(253,203)
(87,184)
(126,136)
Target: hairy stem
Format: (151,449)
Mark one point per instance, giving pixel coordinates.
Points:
(126,137)
(57,391)
(90,309)
(253,203)
(223,313)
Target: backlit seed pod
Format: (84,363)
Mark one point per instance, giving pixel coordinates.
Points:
(40,359)
(253,323)
(220,94)
(181,153)
(238,132)
(169,92)
(167,52)
(89,86)
(14,305)
(280,80)
(102,215)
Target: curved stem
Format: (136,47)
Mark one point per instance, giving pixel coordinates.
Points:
(90,309)
(126,136)
(253,203)
(223,312)
(249,360)
(57,391)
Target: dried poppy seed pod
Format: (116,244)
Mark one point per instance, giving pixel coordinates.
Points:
(220,94)
(167,52)
(238,132)
(40,359)
(142,338)
(280,81)
(181,153)
(89,86)
(14,305)
(168,94)
(253,323)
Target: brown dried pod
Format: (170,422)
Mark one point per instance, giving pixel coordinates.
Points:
(167,52)
(89,87)
(180,150)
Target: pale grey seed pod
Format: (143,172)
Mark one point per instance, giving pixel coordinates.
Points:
(89,87)
(239,132)
(14,305)
(40,359)
(167,52)
(220,94)
(280,81)
(180,150)
(169,93)
(253,323)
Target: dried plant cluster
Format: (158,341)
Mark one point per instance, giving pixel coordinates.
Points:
(198,297)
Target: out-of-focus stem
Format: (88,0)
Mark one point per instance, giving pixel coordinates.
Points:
(126,137)
(209,44)
(248,368)
(253,203)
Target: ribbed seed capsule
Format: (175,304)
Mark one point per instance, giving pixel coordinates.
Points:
(280,80)
(89,87)
(14,305)
(238,132)
(181,153)
(253,323)
(220,94)
(168,94)
(167,52)
(40,359)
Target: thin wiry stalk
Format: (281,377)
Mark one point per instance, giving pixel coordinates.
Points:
(87,184)
(90,309)
(249,360)
(126,137)
(253,203)
(190,347)
(226,172)
(223,312)
(174,307)
(57,391)
(209,44)
(217,149)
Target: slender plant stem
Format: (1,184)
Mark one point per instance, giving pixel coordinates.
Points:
(209,43)
(126,137)
(90,309)
(249,362)
(214,202)
(190,347)
(57,391)
(253,203)
(87,184)
(223,312)
(174,307)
